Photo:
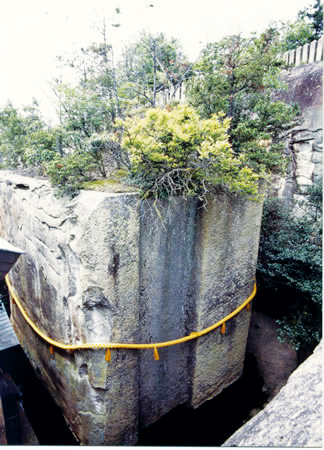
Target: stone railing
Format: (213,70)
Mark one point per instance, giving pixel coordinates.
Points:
(306,54)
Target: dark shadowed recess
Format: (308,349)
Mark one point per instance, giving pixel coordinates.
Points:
(209,425)
(214,421)
(44,416)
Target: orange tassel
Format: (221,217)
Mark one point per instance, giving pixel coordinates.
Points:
(248,306)
(108,355)
(156,354)
(51,350)
(223,329)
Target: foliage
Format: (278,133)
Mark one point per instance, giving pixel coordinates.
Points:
(296,34)
(94,67)
(307,27)
(25,139)
(238,76)
(152,67)
(12,131)
(68,173)
(89,108)
(290,267)
(314,14)
(174,152)
(85,123)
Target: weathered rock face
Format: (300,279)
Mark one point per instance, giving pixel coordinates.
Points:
(109,268)
(305,149)
(294,417)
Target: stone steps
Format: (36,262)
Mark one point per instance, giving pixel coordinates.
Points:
(8,337)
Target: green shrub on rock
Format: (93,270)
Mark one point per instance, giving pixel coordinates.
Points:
(175,152)
(289,270)
(68,173)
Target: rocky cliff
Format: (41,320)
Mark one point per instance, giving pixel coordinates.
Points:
(305,148)
(294,417)
(106,267)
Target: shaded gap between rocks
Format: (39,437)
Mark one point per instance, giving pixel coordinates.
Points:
(214,421)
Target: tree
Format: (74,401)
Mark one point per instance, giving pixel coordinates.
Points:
(289,270)
(95,70)
(314,14)
(88,110)
(12,136)
(296,34)
(151,67)
(307,27)
(25,139)
(239,76)
(85,129)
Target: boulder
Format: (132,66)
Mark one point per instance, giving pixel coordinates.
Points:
(106,267)
(294,417)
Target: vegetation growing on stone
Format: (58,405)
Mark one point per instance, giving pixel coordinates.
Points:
(290,267)
(174,152)
(239,76)
(230,136)
(233,79)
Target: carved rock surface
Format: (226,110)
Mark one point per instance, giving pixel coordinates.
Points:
(294,417)
(103,268)
(305,150)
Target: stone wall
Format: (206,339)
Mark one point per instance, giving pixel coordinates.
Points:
(305,148)
(106,267)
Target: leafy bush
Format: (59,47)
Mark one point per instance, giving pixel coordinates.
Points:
(40,148)
(174,152)
(307,27)
(239,76)
(69,172)
(25,140)
(290,268)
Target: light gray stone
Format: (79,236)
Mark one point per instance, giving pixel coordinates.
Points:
(299,52)
(312,51)
(107,267)
(319,50)
(294,417)
(305,148)
(292,56)
(305,54)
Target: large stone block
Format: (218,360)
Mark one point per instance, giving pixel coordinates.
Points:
(305,145)
(293,419)
(107,267)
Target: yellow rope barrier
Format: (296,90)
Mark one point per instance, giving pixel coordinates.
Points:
(110,345)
